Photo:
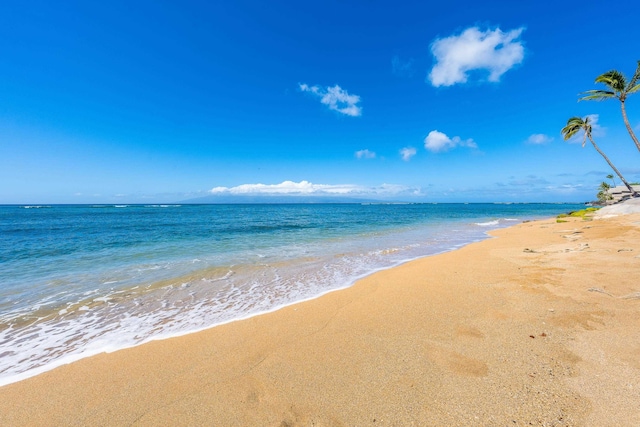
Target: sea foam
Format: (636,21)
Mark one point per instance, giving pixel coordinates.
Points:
(81,280)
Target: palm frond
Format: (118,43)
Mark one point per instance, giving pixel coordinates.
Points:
(614,79)
(633,86)
(597,95)
(575,125)
(634,89)
(569,131)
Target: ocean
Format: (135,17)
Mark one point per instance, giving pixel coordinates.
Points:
(76,281)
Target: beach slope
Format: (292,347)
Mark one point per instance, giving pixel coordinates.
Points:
(538,326)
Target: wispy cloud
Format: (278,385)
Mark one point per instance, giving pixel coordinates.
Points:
(597,173)
(439,142)
(537,184)
(336,98)
(630,171)
(402,68)
(503,191)
(565,188)
(306,188)
(528,181)
(365,154)
(407,153)
(492,50)
(539,139)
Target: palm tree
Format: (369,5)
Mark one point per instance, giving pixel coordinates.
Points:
(603,195)
(610,176)
(577,124)
(618,87)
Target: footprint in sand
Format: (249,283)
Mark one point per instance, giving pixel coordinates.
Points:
(458,363)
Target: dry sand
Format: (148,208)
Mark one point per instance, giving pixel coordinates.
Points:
(540,326)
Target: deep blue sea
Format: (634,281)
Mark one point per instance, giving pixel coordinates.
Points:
(79,280)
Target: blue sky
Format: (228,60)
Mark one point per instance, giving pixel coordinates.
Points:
(461,101)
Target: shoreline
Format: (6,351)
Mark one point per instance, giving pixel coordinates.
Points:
(469,238)
(374,348)
(75,357)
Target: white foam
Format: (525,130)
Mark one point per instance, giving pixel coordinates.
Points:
(144,313)
(488,223)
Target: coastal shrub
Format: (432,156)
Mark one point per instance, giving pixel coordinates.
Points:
(583,213)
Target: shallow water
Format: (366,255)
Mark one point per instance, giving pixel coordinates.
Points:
(79,280)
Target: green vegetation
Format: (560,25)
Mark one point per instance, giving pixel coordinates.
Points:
(586,214)
(603,195)
(618,87)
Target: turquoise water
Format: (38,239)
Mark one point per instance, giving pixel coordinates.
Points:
(80,280)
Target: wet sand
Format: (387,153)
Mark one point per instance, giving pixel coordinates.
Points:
(539,326)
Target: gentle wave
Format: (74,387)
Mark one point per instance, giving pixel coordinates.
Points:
(496,222)
(488,223)
(52,334)
(82,281)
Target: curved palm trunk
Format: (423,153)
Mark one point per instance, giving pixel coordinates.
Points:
(633,192)
(626,123)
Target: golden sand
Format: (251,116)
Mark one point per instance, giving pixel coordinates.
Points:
(539,326)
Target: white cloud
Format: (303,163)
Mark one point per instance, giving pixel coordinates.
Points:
(402,68)
(365,154)
(491,50)
(336,98)
(307,188)
(407,153)
(565,188)
(595,126)
(438,142)
(539,138)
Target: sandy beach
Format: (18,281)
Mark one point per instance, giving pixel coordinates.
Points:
(538,326)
